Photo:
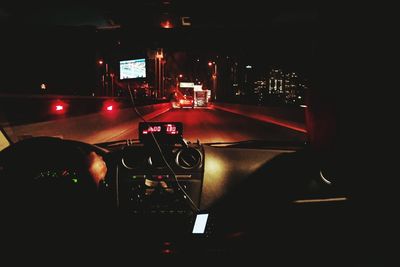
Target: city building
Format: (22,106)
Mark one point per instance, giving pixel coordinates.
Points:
(283,88)
(260,89)
(276,78)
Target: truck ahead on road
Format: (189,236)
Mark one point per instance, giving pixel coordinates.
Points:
(200,98)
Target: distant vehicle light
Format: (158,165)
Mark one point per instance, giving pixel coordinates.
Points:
(109,108)
(59,107)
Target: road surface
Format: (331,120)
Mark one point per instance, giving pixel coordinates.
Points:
(209,125)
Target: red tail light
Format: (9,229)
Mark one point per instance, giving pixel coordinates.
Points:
(109,108)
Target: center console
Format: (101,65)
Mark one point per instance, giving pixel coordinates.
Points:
(163,177)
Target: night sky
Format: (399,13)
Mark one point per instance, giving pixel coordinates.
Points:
(60,44)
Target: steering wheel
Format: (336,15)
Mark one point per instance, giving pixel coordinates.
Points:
(45,170)
(47,193)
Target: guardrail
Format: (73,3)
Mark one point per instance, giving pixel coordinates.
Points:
(82,118)
(289,117)
(91,128)
(25,109)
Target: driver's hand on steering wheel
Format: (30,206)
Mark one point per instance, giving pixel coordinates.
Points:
(96,167)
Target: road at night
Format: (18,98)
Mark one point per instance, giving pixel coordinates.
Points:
(210,125)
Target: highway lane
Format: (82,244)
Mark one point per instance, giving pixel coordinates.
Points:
(209,125)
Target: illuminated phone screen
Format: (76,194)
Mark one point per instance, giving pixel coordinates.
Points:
(200,224)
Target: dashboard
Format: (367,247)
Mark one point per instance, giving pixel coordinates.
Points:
(175,177)
(154,183)
(166,196)
(168,192)
(178,179)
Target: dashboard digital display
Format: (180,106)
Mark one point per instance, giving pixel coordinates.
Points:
(167,132)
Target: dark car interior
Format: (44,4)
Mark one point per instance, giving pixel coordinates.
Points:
(166,197)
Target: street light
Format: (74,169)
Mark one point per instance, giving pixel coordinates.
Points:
(159,72)
(43,87)
(214,77)
(105,77)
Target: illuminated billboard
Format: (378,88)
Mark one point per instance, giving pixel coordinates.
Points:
(132,69)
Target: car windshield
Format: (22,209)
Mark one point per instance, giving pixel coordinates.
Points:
(75,71)
(235,129)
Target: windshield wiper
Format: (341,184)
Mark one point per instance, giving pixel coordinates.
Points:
(260,144)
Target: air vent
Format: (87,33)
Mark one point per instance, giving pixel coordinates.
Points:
(156,161)
(133,159)
(189,158)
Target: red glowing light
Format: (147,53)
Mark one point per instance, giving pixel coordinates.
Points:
(155,129)
(180,75)
(159,177)
(181,101)
(167,251)
(167,24)
(171,129)
(100,62)
(59,107)
(210,63)
(110,106)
